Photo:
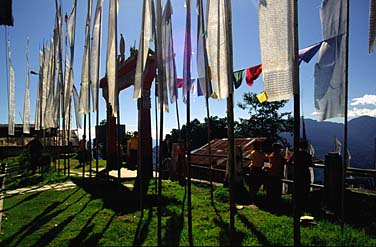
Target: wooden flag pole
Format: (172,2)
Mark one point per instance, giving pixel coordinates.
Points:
(230,119)
(296,208)
(161,99)
(345,134)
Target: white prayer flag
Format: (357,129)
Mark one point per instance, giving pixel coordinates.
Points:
(95,52)
(201,56)
(168,56)
(330,70)
(11,103)
(187,53)
(276,43)
(143,48)
(26,114)
(50,91)
(372,26)
(71,27)
(40,93)
(76,106)
(217,46)
(85,84)
(111,64)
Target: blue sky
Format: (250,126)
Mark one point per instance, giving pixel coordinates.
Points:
(36,19)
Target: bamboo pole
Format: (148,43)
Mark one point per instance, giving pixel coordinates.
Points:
(296,208)
(230,119)
(161,99)
(117,95)
(97,105)
(345,131)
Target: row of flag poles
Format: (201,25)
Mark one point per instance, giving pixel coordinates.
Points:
(279,55)
(273,69)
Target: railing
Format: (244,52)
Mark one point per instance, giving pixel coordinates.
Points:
(349,170)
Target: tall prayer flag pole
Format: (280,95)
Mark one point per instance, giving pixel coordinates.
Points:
(95,54)
(26,114)
(186,95)
(296,91)
(161,99)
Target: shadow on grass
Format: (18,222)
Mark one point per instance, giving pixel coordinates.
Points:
(115,196)
(40,220)
(142,229)
(259,235)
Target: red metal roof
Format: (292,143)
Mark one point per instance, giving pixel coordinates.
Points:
(219,148)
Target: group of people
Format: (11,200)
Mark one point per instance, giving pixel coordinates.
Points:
(271,174)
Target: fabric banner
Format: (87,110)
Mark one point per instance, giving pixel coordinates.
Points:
(187,53)
(68,82)
(262,97)
(11,103)
(76,102)
(217,45)
(372,26)
(330,70)
(71,27)
(45,84)
(143,48)
(306,54)
(111,58)
(168,56)
(40,93)
(238,77)
(95,52)
(26,113)
(85,83)
(252,74)
(276,44)
(50,80)
(202,56)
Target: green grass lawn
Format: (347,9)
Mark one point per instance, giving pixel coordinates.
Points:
(101,212)
(104,213)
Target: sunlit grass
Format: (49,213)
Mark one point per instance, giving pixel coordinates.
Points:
(107,214)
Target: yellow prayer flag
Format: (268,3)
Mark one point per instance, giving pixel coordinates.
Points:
(262,97)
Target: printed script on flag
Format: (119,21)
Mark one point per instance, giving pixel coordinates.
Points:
(276,43)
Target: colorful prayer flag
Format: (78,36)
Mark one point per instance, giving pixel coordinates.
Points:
(262,97)
(252,74)
(238,77)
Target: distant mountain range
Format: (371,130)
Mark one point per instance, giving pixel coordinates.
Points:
(361,139)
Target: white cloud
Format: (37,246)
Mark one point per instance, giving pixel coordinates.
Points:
(315,113)
(367,99)
(355,112)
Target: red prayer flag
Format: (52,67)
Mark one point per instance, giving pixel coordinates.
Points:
(252,74)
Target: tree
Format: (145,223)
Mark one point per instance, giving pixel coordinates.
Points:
(198,131)
(265,119)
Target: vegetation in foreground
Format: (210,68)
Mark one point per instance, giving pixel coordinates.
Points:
(100,212)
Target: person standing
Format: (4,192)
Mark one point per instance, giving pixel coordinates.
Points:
(256,174)
(302,160)
(275,175)
(82,150)
(35,148)
(132,150)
